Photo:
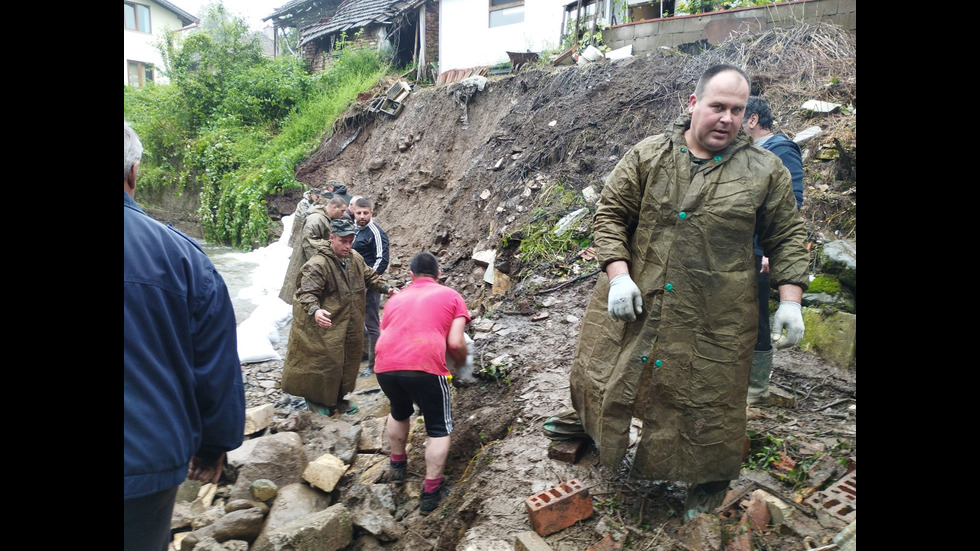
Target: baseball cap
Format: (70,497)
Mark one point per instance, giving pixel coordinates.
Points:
(342,227)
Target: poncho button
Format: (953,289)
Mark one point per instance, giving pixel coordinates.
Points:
(682,215)
(658,363)
(683,150)
(643,358)
(669,287)
(718,158)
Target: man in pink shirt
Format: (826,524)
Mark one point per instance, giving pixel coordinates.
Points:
(421,323)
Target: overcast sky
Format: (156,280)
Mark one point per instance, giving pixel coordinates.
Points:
(251,10)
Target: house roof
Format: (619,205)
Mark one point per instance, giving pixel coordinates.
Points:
(185,18)
(357,14)
(300,13)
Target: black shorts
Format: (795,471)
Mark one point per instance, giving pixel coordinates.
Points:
(430,392)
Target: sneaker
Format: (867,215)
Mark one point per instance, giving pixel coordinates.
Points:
(396,470)
(429,502)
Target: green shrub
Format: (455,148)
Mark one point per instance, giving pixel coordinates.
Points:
(233,124)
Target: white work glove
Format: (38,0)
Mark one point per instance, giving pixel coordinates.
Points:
(624,301)
(789,316)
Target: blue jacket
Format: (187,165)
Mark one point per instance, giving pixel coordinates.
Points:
(792,156)
(182,380)
(372,242)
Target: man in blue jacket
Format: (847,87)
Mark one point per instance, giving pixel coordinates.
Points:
(758,124)
(183,397)
(372,243)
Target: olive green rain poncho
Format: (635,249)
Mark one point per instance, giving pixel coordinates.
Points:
(322,364)
(683,366)
(312,235)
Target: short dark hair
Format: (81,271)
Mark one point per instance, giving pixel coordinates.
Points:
(337,201)
(758,106)
(425,264)
(363,202)
(714,70)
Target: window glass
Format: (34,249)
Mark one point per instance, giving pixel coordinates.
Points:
(143,17)
(129,16)
(134,74)
(507,16)
(136,17)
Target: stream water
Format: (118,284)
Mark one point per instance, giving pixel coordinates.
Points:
(254,279)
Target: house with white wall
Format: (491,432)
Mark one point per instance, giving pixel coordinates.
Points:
(144,23)
(481,32)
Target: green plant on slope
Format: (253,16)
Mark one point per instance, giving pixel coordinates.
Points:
(539,242)
(232,124)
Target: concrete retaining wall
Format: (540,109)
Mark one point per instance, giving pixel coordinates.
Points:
(714,27)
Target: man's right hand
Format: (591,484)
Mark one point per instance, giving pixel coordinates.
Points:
(624,302)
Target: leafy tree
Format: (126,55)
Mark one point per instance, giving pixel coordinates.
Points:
(204,65)
(232,124)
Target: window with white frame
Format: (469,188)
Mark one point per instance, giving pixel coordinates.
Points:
(136,17)
(506,12)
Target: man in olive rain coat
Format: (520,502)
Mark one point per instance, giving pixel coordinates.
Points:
(323,354)
(313,234)
(677,214)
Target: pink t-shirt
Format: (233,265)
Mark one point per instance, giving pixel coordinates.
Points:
(414,328)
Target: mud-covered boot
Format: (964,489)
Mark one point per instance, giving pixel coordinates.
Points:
(758,394)
(369,346)
(704,498)
(373,341)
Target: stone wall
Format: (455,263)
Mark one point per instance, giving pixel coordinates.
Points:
(714,27)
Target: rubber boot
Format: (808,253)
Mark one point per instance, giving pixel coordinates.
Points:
(704,498)
(759,378)
(371,345)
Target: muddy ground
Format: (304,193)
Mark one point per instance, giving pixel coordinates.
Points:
(499,455)
(461,170)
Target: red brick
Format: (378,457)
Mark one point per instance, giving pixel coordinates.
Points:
(758,513)
(741,533)
(785,463)
(606,544)
(568,451)
(559,507)
(839,500)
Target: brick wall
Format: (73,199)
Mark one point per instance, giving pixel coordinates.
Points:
(714,27)
(432,31)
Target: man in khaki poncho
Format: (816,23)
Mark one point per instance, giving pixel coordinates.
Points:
(669,332)
(323,353)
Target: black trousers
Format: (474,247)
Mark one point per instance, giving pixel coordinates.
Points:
(146,521)
(372,315)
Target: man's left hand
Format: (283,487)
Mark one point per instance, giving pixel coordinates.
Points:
(199,470)
(789,316)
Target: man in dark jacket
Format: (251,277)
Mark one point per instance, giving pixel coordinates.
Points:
(372,243)
(183,397)
(758,124)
